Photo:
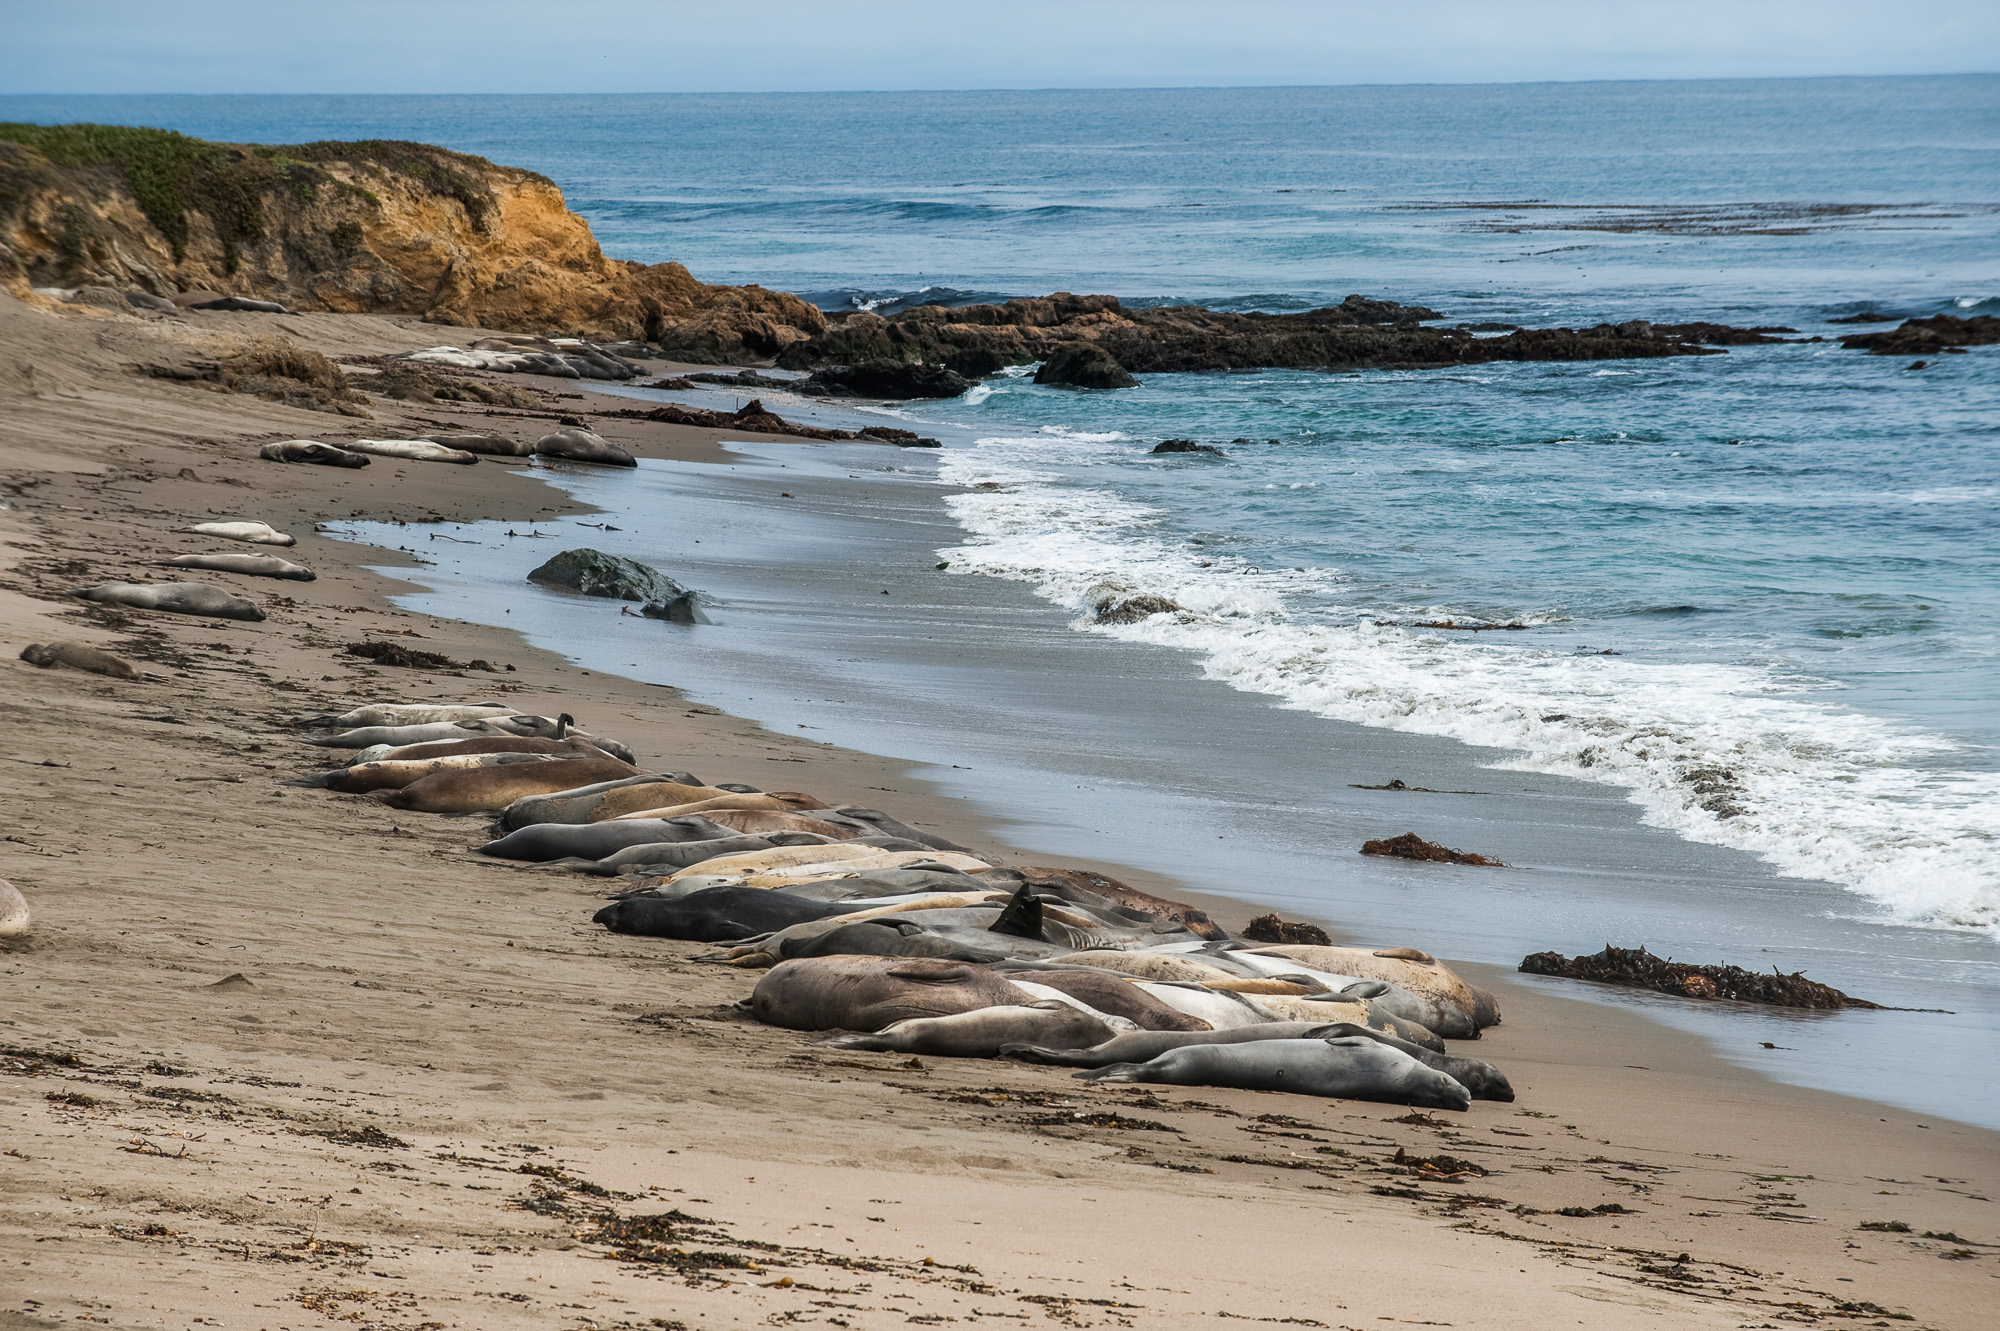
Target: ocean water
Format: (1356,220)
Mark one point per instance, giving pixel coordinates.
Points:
(1757,593)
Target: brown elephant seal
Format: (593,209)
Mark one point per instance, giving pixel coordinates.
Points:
(390,774)
(982,1032)
(180,598)
(1345,1069)
(452,748)
(1416,971)
(256,533)
(78,656)
(311,451)
(855,993)
(487,445)
(1165,966)
(757,822)
(411,450)
(583,804)
(256,566)
(775,801)
(14,915)
(577,445)
(1113,994)
(471,790)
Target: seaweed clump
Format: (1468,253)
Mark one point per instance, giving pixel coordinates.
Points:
(395,654)
(1640,969)
(407,381)
(277,370)
(1410,846)
(1271,929)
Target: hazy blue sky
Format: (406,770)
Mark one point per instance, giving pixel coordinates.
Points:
(224,46)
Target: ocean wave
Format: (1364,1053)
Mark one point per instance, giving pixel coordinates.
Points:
(1725,754)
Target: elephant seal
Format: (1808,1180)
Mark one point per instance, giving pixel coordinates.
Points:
(14,915)
(180,598)
(1418,972)
(487,445)
(470,790)
(1115,995)
(452,748)
(1142,1046)
(1346,1069)
(718,915)
(555,841)
(981,1033)
(1218,1008)
(256,533)
(411,450)
(1481,1079)
(760,821)
(777,801)
(361,778)
(583,804)
(241,303)
(1061,882)
(256,566)
(873,822)
(1163,966)
(1342,1007)
(577,445)
(311,451)
(1433,1010)
(78,656)
(669,858)
(869,993)
(411,714)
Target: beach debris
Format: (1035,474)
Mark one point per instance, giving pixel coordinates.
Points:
(277,370)
(408,380)
(1410,846)
(1187,446)
(1132,609)
(1397,783)
(887,379)
(395,654)
(1083,365)
(1640,969)
(1271,929)
(14,915)
(593,573)
(1452,625)
(78,656)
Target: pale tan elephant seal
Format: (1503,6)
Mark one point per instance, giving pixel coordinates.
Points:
(14,917)
(78,656)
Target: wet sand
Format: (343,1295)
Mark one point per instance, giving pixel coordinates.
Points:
(437,1095)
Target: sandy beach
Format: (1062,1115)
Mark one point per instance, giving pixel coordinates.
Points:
(262,1040)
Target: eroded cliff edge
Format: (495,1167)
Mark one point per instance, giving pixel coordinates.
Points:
(381,227)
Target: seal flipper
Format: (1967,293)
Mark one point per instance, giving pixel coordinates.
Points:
(1022,918)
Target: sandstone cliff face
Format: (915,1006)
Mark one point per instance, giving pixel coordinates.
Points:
(374,227)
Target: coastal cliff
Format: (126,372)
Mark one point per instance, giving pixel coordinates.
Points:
(379,227)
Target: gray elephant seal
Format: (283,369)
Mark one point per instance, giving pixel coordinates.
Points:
(1116,995)
(240,303)
(488,445)
(1348,1069)
(583,446)
(472,789)
(869,993)
(78,656)
(980,1033)
(593,841)
(256,566)
(14,916)
(181,598)
(312,451)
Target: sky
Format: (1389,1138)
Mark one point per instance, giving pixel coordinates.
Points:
(525,46)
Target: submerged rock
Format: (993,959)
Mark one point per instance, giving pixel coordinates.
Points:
(1919,337)
(1134,608)
(1187,446)
(1640,969)
(594,573)
(1410,846)
(1084,365)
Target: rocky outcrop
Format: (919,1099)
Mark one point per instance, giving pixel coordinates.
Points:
(1359,333)
(884,378)
(594,573)
(371,227)
(1927,337)
(1084,365)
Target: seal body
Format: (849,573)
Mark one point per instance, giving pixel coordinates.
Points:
(414,713)
(468,790)
(1346,1069)
(1418,972)
(487,445)
(981,1033)
(180,598)
(718,915)
(869,993)
(311,451)
(256,566)
(579,805)
(412,450)
(1142,1046)
(256,533)
(78,656)
(593,841)
(578,445)
(453,748)
(1117,996)
(14,914)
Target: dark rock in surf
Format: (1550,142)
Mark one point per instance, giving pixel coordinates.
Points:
(887,379)
(1640,969)
(1134,608)
(1187,446)
(1927,337)
(682,609)
(1084,365)
(594,573)
(975,362)
(1410,846)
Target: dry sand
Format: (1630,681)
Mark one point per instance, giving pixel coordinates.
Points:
(280,1058)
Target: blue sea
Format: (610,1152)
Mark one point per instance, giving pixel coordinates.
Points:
(1753,597)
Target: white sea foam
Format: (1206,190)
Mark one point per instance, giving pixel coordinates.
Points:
(1727,754)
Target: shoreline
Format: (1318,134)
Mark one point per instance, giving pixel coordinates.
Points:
(1565,1055)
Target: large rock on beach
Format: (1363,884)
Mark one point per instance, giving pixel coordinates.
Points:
(885,378)
(594,573)
(1084,365)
